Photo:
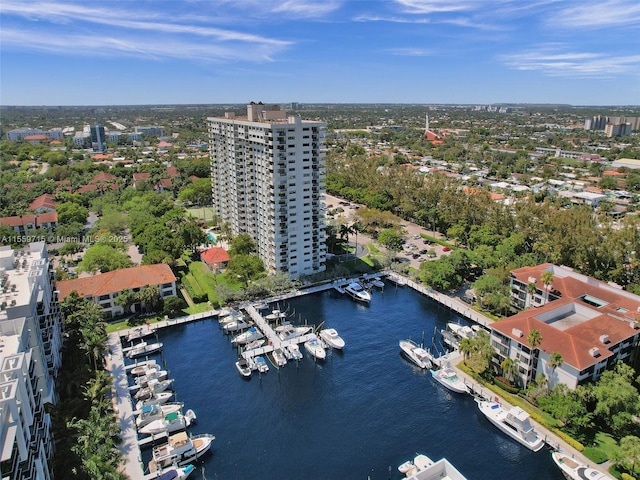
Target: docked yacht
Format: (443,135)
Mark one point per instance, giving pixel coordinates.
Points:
(249,336)
(314,347)
(514,422)
(358,292)
(143,380)
(279,357)
(154,387)
(275,316)
(170,423)
(243,367)
(181,449)
(144,348)
(412,467)
(330,337)
(175,473)
(261,365)
(149,413)
(143,367)
(461,331)
(377,282)
(254,344)
(416,353)
(293,352)
(447,377)
(239,323)
(159,398)
(293,332)
(573,470)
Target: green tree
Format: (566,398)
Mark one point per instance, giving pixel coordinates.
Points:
(242,245)
(70,212)
(245,267)
(617,400)
(630,450)
(555,361)
(126,300)
(390,238)
(509,368)
(173,306)
(103,258)
(547,280)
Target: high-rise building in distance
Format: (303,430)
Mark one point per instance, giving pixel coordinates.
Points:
(268,172)
(98,138)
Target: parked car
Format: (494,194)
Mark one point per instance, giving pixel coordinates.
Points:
(446,249)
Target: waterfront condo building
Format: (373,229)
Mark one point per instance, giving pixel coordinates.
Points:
(30,356)
(268,172)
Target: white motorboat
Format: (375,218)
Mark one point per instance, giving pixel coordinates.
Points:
(157,398)
(461,331)
(358,292)
(144,367)
(294,351)
(448,378)
(315,348)
(416,353)
(254,344)
(293,332)
(377,282)
(284,326)
(514,422)
(175,473)
(275,316)
(249,336)
(232,317)
(154,387)
(412,467)
(149,413)
(243,367)
(143,380)
(239,324)
(261,365)
(181,449)
(279,357)
(573,470)
(144,348)
(330,337)
(170,423)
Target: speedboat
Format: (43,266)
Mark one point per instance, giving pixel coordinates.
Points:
(330,337)
(231,317)
(514,422)
(254,344)
(293,332)
(159,398)
(412,467)
(149,413)
(154,387)
(181,450)
(448,377)
(315,348)
(573,470)
(143,380)
(243,367)
(261,365)
(461,331)
(286,325)
(144,348)
(275,315)
(294,351)
(144,367)
(239,324)
(250,335)
(175,473)
(416,353)
(279,357)
(169,423)
(358,292)
(377,282)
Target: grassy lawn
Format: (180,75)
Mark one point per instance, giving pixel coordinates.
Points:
(431,239)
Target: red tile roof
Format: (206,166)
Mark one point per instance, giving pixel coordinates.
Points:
(45,200)
(117,281)
(214,255)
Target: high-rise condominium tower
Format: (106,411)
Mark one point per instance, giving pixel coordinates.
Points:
(267,174)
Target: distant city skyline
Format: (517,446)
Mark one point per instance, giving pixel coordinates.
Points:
(334,51)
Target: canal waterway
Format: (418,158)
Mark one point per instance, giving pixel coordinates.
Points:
(358,415)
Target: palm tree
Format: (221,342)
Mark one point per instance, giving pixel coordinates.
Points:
(509,368)
(547,280)
(630,447)
(465,347)
(531,290)
(150,297)
(534,338)
(554,362)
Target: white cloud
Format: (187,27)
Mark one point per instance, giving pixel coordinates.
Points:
(436,6)
(410,52)
(600,14)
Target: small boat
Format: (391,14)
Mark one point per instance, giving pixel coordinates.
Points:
(175,473)
(377,282)
(138,333)
(181,450)
(294,351)
(261,365)
(514,422)
(143,380)
(358,292)
(293,332)
(154,387)
(315,348)
(330,337)
(234,326)
(159,398)
(143,368)
(279,357)
(461,331)
(232,317)
(254,344)
(144,349)
(170,423)
(284,326)
(416,353)
(418,464)
(573,470)
(249,336)
(243,367)
(149,413)
(275,315)
(448,377)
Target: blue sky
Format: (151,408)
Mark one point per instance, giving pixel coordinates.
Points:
(90,52)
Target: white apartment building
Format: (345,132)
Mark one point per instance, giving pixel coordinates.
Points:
(30,356)
(268,174)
